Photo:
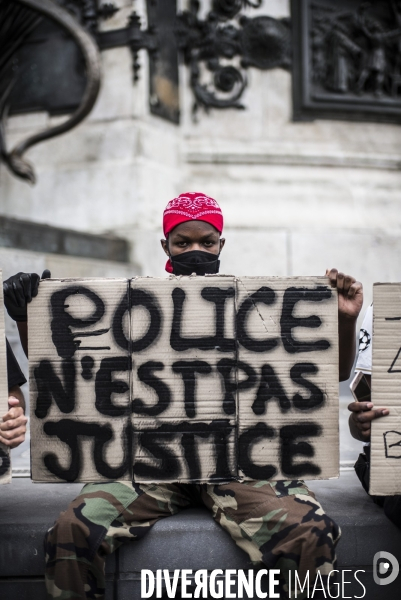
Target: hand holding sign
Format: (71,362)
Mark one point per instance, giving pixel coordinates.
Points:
(350,294)
(19,290)
(361,417)
(350,299)
(13,423)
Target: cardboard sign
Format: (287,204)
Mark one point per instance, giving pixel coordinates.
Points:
(385,473)
(288,419)
(80,373)
(180,413)
(5,462)
(189,379)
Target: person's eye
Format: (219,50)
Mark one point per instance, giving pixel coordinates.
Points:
(182,244)
(208,244)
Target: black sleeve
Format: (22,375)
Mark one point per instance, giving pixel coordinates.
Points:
(14,374)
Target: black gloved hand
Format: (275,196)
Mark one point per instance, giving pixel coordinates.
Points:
(20,289)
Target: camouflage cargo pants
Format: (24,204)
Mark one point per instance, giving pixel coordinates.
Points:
(278,524)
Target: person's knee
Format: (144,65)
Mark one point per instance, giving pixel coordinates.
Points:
(321,527)
(73,535)
(71,527)
(312,526)
(62,529)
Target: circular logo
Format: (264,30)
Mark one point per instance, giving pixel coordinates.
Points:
(364,340)
(385,568)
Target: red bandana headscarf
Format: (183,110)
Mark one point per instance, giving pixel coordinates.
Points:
(191,206)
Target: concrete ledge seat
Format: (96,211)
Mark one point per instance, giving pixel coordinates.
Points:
(189,540)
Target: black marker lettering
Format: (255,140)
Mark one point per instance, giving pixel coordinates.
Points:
(219,297)
(246,439)
(188,370)
(266,296)
(220,430)
(136,297)
(68,431)
(105,385)
(190,449)
(94,348)
(155,442)
(395,361)
(270,387)
(87,364)
(147,300)
(316,396)
(290,448)
(118,330)
(225,367)
(218,341)
(62,321)
(49,386)
(102,467)
(288,322)
(145,374)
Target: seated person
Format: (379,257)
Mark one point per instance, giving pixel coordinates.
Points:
(361,417)
(278,524)
(13,423)
(17,292)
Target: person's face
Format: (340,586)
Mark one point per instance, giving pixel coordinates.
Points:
(193,235)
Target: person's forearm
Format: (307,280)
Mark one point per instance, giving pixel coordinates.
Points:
(347,346)
(17,393)
(23,334)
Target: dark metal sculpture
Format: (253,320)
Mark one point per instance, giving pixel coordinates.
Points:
(25,22)
(228,9)
(163,65)
(261,42)
(221,47)
(347,60)
(49,60)
(91,13)
(225,34)
(132,36)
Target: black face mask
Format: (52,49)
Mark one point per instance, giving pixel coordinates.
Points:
(195,261)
